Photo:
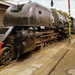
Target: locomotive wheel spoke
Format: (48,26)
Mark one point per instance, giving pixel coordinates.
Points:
(6,56)
(3,60)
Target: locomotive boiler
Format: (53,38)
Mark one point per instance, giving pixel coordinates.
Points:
(26,27)
(31,14)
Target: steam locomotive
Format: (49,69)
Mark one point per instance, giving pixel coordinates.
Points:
(28,26)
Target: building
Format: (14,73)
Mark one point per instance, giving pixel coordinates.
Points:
(3,7)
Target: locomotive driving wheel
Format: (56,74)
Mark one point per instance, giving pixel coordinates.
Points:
(6,55)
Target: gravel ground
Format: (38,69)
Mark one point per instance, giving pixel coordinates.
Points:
(67,65)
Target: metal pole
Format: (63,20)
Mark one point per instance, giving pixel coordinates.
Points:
(69,20)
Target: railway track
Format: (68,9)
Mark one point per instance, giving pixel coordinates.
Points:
(46,72)
(14,61)
(61,58)
(8,65)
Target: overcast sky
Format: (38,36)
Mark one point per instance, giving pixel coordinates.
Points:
(58,4)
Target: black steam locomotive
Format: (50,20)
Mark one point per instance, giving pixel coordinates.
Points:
(28,26)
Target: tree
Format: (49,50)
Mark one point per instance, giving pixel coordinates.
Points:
(62,12)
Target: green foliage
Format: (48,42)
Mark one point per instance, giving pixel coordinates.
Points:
(62,12)
(66,14)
